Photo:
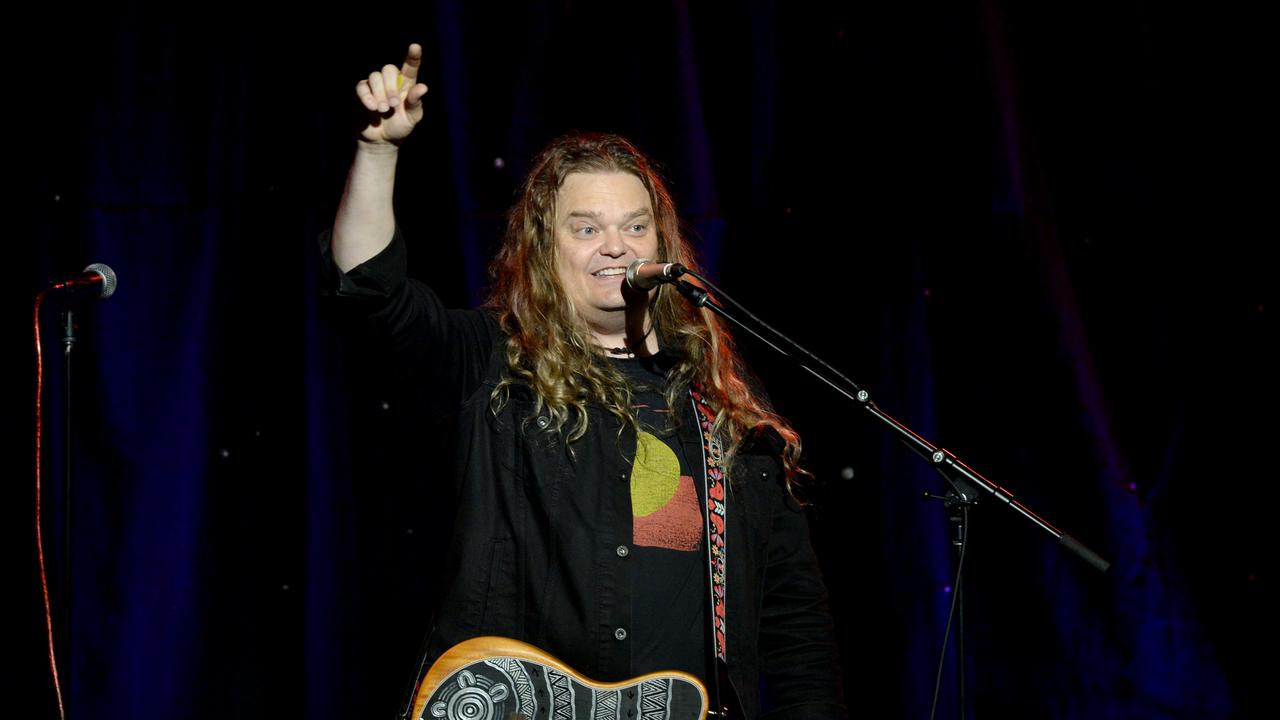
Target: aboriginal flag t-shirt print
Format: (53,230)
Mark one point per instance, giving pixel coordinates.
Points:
(664,503)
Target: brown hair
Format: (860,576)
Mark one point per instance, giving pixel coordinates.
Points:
(550,349)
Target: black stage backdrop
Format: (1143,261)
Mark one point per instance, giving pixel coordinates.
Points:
(1033,235)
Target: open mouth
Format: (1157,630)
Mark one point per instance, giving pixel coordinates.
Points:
(610,272)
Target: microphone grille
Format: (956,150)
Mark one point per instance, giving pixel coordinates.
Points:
(108,278)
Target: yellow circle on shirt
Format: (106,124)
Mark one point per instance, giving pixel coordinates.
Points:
(654,476)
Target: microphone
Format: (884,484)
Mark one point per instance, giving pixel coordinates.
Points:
(96,282)
(645,274)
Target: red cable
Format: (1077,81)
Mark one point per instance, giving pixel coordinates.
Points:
(44,580)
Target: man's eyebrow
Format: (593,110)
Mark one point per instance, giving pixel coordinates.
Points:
(593,215)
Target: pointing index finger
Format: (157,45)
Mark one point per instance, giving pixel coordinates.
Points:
(412,61)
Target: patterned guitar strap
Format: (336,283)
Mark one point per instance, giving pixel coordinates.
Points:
(714,491)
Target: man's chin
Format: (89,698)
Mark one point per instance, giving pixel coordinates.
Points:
(615,302)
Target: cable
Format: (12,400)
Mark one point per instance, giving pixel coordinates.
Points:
(44,578)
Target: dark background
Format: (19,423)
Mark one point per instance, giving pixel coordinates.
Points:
(1035,235)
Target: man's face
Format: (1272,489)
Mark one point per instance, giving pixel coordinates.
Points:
(604,220)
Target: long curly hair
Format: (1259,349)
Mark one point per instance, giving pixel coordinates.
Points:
(550,349)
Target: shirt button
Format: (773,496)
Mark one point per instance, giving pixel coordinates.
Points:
(543,421)
(623,551)
(620,633)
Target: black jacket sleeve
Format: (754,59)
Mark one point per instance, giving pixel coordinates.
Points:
(444,353)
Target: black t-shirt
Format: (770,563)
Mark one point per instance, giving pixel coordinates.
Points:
(667,562)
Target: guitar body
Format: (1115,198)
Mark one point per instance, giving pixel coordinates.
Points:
(492,678)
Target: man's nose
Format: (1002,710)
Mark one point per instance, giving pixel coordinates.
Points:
(613,244)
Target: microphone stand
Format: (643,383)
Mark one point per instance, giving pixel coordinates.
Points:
(68,342)
(944,461)
(959,516)
(97,281)
(966,483)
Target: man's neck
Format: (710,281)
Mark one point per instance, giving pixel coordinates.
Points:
(626,344)
(635,340)
(633,337)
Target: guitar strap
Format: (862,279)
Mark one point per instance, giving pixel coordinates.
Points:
(714,491)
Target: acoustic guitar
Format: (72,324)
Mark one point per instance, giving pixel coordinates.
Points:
(493,678)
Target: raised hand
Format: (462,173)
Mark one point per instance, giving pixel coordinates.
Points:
(393,97)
